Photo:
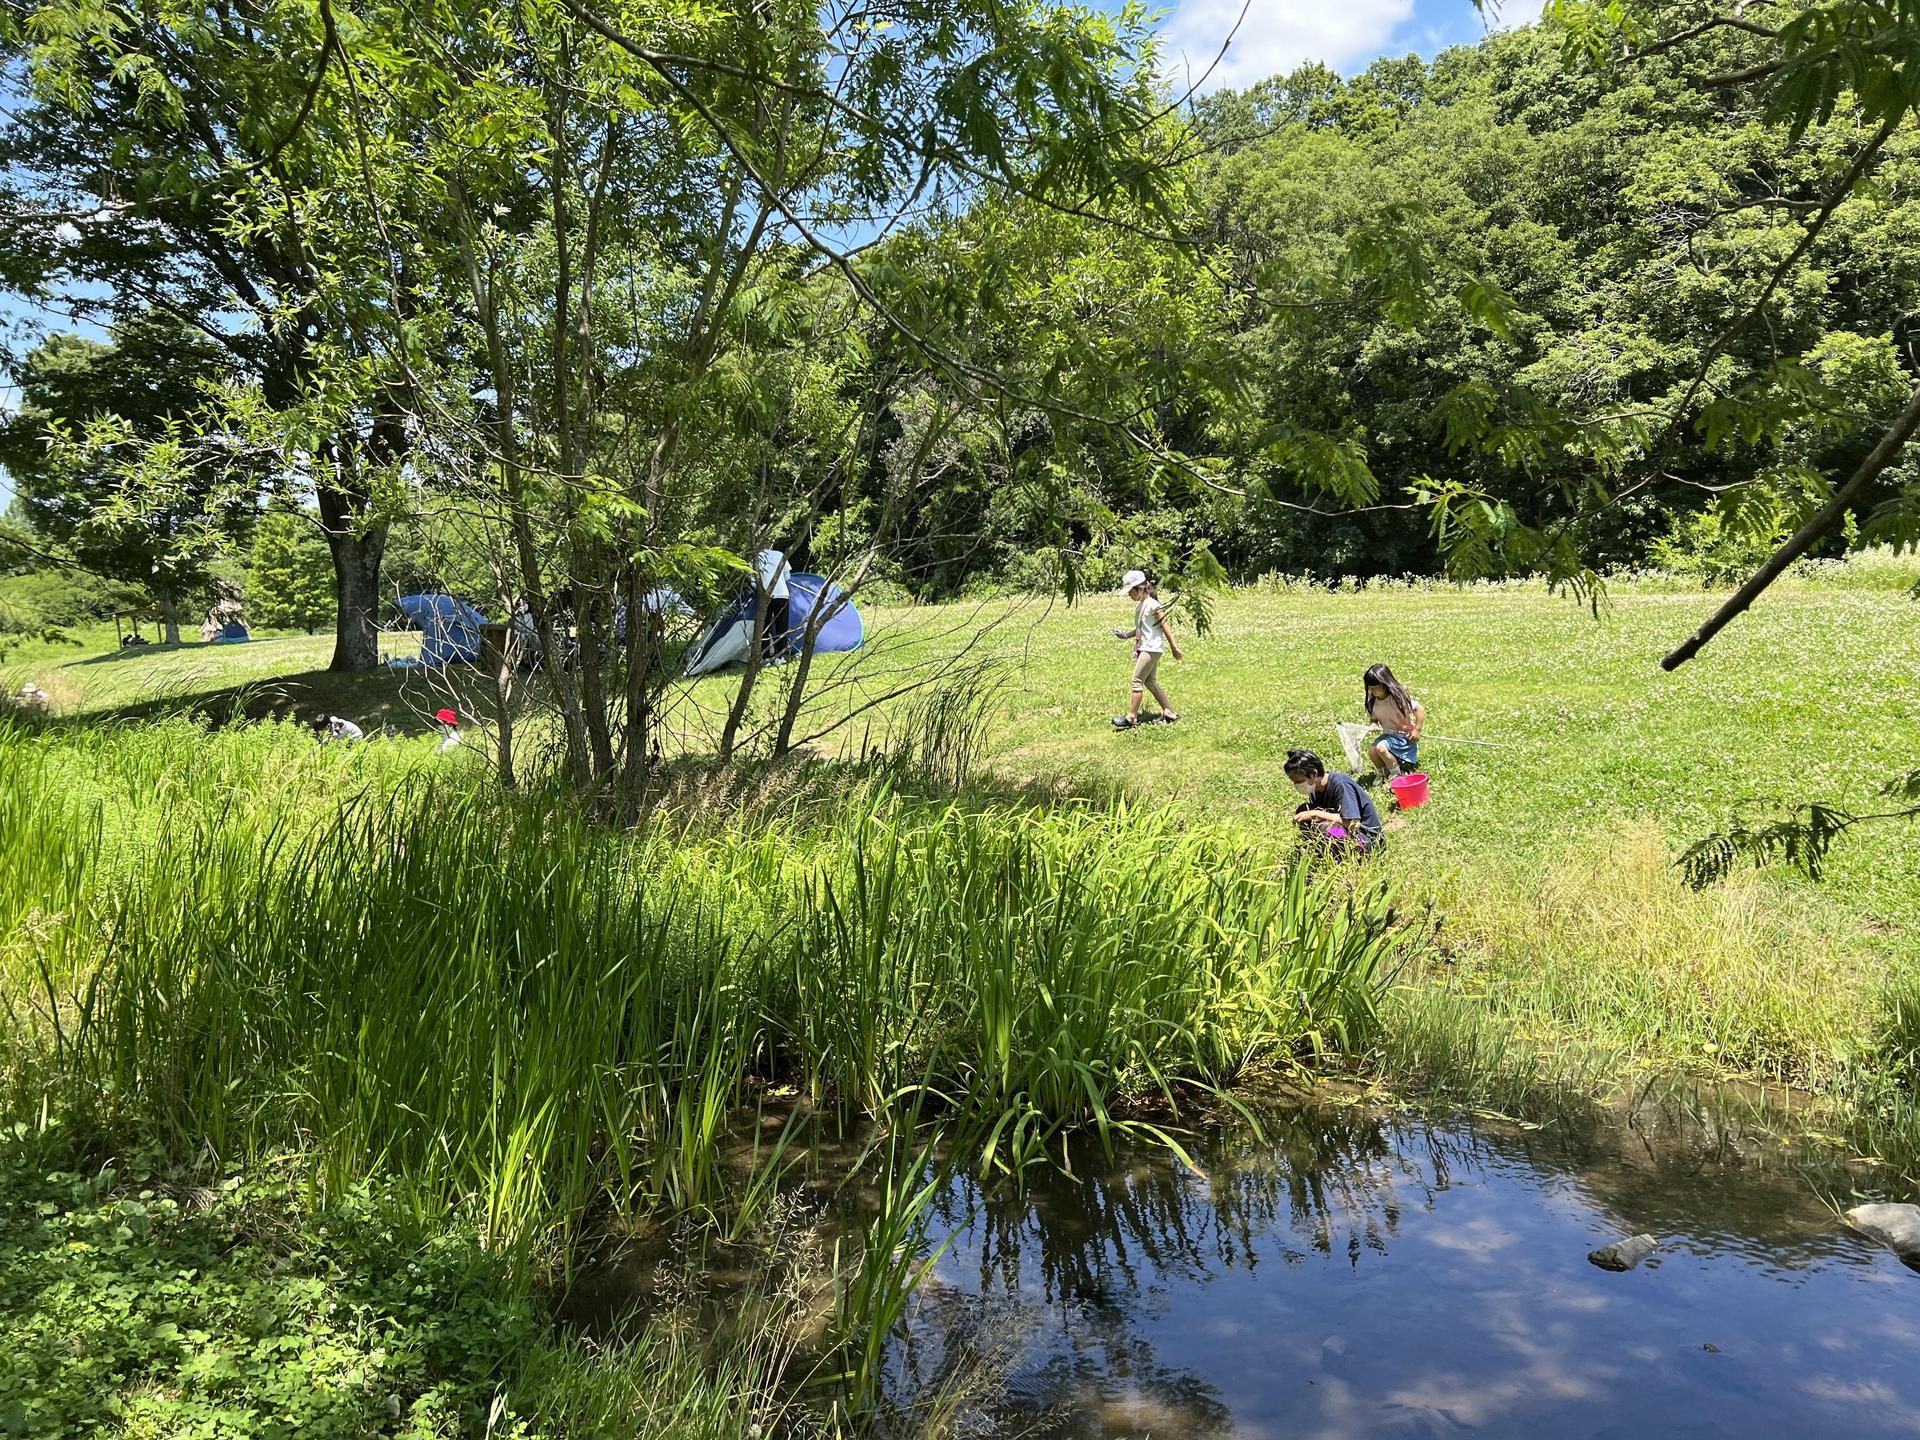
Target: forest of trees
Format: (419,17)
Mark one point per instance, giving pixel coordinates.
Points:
(1624,217)
(557,304)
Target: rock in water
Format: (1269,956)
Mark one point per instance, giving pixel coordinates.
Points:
(1895,1226)
(1624,1254)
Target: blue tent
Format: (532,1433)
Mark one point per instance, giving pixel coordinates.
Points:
(449,629)
(730,633)
(840,627)
(233,632)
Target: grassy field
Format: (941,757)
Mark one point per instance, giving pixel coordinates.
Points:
(1547,852)
(1550,852)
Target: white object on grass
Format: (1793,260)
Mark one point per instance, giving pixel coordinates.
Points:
(1353,740)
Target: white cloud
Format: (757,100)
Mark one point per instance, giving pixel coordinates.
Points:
(1512,14)
(1274,37)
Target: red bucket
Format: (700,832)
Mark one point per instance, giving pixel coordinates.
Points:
(1409,791)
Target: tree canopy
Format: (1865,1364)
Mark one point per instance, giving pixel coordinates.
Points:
(102,461)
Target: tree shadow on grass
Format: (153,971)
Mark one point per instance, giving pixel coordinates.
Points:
(694,790)
(150,651)
(402,702)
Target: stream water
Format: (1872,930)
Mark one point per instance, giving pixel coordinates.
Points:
(1347,1272)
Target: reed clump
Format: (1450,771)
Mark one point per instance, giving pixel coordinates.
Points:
(505,1007)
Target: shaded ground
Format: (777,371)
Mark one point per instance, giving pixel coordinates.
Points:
(281,677)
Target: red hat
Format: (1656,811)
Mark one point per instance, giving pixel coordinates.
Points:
(447,717)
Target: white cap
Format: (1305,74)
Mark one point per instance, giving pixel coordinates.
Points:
(1131,579)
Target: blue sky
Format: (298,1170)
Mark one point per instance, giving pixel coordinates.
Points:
(1273,36)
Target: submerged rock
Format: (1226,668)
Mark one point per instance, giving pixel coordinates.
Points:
(1624,1254)
(1895,1226)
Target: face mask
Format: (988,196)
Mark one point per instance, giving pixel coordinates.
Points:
(1305,787)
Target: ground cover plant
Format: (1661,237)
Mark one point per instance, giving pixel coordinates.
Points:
(142,1303)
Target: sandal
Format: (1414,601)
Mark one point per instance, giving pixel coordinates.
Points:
(1125,722)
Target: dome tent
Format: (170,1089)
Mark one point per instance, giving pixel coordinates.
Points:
(729,635)
(449,630)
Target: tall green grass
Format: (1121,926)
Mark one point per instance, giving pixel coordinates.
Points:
(511,1009)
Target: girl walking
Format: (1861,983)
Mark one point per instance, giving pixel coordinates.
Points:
(1151,638)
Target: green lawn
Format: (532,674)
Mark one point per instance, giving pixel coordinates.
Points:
(273,676)
(1548,854)
(1550,858)
(1815,695)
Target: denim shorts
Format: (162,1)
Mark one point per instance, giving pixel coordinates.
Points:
(1403,749)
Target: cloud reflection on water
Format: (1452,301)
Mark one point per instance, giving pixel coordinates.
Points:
(1347,1274)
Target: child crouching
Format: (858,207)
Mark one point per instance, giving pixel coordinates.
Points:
(1334,811)
(1398,717)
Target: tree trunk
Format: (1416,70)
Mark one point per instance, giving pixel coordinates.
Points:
(170,617)
(595,633)
(742,697)
(356,583)
(503,678)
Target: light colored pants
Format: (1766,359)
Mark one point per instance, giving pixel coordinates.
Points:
(1146,668)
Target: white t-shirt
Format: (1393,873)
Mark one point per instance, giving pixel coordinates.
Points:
(1149,638)
(772,566)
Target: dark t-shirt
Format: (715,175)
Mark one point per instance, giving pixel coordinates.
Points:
(1344,796)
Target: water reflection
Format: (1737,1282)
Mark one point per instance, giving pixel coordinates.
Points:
(1343,1272)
